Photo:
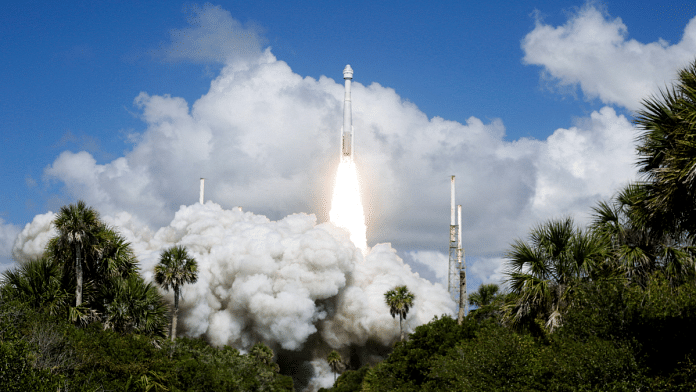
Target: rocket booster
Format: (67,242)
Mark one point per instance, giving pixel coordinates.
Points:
(347,130)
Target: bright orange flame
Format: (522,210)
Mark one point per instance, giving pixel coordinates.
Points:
(346,203)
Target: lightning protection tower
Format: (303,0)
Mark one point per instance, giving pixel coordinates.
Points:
(453,274)
(463,304)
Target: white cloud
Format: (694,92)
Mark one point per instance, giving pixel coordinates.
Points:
(8,233)
(213,37)
(32,240)
(488,270)
(583,164)
(266,139)
(592,50)
(437,262)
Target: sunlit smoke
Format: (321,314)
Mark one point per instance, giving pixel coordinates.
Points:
(346,203)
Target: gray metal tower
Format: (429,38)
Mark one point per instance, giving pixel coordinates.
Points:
(453,274)
(463,304)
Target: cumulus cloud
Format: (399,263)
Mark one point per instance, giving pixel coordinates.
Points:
(593,51)
(488,270)
(266,139)
(8,233)
(435,261)
(212,37)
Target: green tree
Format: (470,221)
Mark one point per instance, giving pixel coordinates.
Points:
(36,282)
(334,359)
(112,255)
(131,305)
(541,273)
(77,225)
(485,295)
(667,155)
(105,258)
(175,269)
(637,249)
(399,301)
(409,366)
(488,301)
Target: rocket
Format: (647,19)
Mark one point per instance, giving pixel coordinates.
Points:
(347,130)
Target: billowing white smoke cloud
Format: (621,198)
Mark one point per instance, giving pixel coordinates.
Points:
(592,50)
(31,241)
(274,281)
(281,281)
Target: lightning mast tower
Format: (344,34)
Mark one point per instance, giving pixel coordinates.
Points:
(453,274)
(463,304)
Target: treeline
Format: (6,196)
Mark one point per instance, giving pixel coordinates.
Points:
(610,307)
(615,337)
(81,318)
(46,353)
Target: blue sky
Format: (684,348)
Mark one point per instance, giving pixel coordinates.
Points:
(71,74)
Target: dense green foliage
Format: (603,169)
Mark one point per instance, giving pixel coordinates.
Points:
(40,352)
(542,272)
(111,289)
(350,380)
(667,156)
(616,337)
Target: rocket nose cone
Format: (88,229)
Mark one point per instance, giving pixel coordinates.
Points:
(348,72)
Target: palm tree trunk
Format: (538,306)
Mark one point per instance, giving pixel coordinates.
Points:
(175,314)
(78,275)
(400,329)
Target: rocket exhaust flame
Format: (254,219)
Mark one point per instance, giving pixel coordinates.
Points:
(346,203)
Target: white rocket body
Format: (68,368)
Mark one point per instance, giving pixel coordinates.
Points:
(347,130)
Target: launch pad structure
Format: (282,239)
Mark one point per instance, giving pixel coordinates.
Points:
(456,276)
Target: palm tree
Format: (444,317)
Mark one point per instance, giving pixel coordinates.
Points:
(667,154)
(638,248)
(541,273)
(36,282)
(112,255)
(77,225)
(175,269)
(399,301)
(488,301)
(484,296)
(334,360)
(133,306)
